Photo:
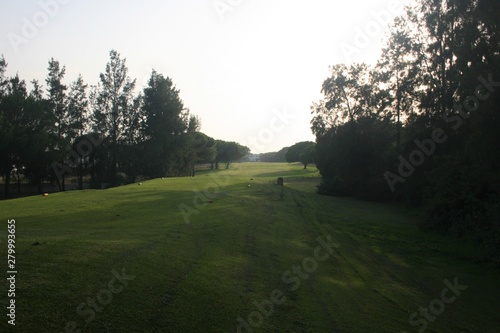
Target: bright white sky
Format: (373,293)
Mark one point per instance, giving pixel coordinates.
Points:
(237,63)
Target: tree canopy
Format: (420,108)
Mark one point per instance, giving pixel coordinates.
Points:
(302,152)
(422,125)
(108,132)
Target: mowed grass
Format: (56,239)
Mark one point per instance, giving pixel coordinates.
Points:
(200,271)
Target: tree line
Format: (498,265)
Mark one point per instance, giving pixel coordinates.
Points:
(106,132)
(303,152)
(423,124)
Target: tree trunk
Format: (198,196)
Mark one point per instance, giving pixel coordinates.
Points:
(398,109)
(80,176)
(63,183)
(114,159)
(7,183)
(39,185)
(18,181)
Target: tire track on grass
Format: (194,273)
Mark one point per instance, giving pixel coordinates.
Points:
(353,254)
(357,255)
(314,231)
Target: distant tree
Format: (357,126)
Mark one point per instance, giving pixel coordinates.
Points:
(307,155)
(267,157)
(295,153)
(281,154)
(278,156)
(228,152)
(205,147)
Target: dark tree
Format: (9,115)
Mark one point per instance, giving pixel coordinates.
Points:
(228,152)
(278,156)
(56,94)
(164,125)
(296,153)
(113,101)
(308,155)
(437,74)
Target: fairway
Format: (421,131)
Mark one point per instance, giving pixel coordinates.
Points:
(230,251)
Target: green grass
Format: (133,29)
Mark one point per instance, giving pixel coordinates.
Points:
(201,273)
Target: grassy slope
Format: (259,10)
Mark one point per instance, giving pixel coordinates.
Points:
(200,276)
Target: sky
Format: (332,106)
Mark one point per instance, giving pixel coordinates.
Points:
(250,69)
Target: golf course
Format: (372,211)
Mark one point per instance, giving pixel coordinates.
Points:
(231,251)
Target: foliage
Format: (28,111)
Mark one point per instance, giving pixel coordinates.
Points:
(438,72)
(108,132)
(278,156)
(228,152)
(301,152)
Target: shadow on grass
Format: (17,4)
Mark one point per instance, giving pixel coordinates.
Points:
(290,173)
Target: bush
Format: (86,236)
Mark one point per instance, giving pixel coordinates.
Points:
(334,186)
